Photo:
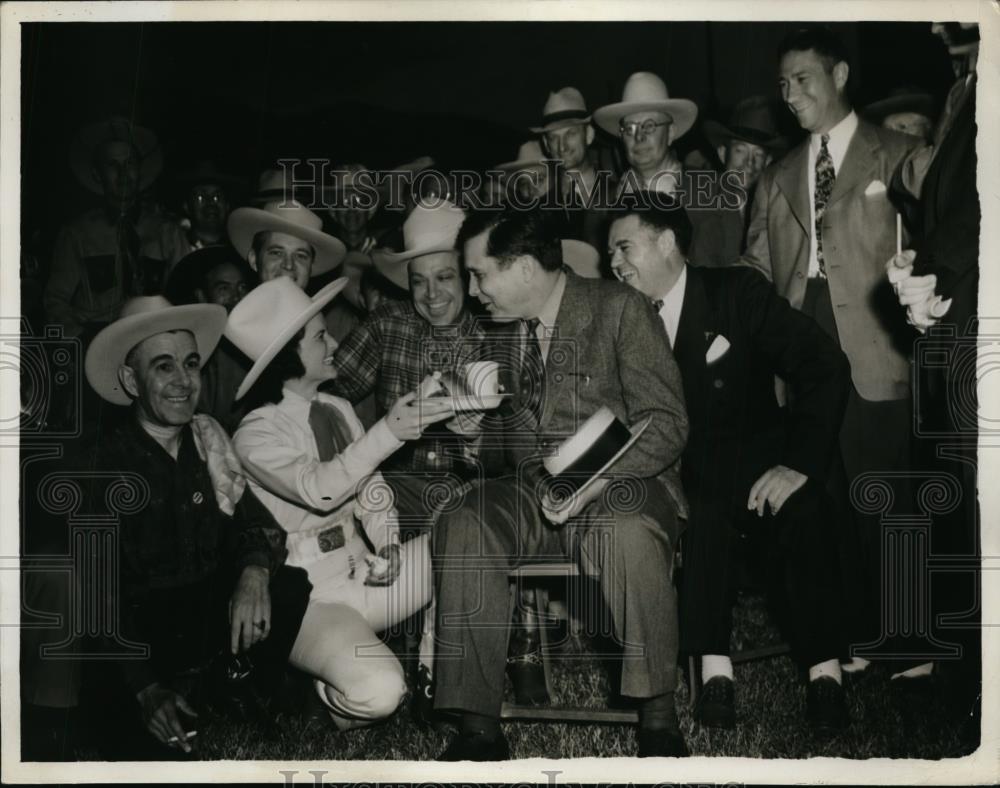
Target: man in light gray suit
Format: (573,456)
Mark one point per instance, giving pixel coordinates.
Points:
(821,229)
(566,346)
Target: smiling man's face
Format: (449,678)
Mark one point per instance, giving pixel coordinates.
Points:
(163,374)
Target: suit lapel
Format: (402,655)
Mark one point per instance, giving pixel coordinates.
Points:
(793,180)
(862,153)
(573,317)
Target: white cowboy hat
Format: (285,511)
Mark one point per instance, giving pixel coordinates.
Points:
(582,458)
(267,318)
(583,258)
(141,318)
(292,218)
(429,229)
(646,92)
(116,129)
(563,108)
(528,155)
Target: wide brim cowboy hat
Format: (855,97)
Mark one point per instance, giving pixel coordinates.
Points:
(602,440)
(530,154)
(346,177)
(646,92)
(292,218)
(564,108)
(117,129)
(394,266)
(141,318)
(243,321)
(920,103)
(431,228)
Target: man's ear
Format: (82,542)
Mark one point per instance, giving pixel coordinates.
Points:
(127,379)
(841,71)
(722,150)
(527,266)
(590,135)
(252,259)
(666,243)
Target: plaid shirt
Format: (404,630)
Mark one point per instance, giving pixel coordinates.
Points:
(390,353)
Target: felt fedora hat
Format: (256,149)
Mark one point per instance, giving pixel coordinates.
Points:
(591,451)
(905,98)
(430,228)
(141,318)
(185,277)
(752,121)
(564,107)
(267,318)
(286,217)
(583,258)
(206,171)
(528,155)
(90,138)
(646,92)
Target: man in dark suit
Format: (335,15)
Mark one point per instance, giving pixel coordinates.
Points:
(822,228)
(730,335)
(570,346)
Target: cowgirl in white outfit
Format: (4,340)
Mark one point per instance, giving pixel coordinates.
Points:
(312,464)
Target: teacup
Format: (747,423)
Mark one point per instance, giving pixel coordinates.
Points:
(483,378)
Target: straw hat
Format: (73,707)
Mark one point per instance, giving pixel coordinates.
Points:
(141,318)
(117,129)
(292,218)
(429,229)
(267,318)
(646,92)
(564,107)
(528,155)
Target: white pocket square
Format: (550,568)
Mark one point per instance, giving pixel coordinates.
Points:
(875,187)
(718,348)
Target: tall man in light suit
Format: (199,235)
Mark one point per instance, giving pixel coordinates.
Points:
(821,229)
(568,346)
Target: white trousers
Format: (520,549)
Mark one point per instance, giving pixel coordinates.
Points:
(358,677)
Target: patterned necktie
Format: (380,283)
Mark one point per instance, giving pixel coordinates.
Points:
(532,378)
(825,177)
(330,429)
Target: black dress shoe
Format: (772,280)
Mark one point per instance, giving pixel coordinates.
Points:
(476,747)
(422,701)
(528,677)
(716,707)
(655,743)
(826,710)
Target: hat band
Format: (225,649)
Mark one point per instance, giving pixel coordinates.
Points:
(596,456)
(566,114)
(752,135)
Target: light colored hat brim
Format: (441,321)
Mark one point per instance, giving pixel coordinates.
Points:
(245,223)
(583,258)
(637,432)
(320,300)
(110,347)
(394,265)
(85,144)
(565,123)
(521,164)
(683,112)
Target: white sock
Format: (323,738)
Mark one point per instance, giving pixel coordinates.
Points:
(856,665)
(916,672)
(829,669)
(713,665)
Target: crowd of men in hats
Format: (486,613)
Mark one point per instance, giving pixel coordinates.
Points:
(320,464)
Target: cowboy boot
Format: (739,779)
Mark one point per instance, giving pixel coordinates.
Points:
(524,658)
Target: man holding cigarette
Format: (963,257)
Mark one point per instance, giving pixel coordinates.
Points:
(821,229)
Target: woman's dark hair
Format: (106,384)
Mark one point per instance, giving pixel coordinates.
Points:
(286,365)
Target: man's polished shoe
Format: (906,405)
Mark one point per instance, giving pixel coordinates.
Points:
(476,747)
(524,665)
(422,701)
(657,743)
(716,707)
(826,709)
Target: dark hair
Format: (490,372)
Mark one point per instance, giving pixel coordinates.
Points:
(821,40)
(261,237)
(286,365)
(659,212)
(513,233)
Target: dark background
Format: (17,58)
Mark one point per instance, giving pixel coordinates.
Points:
(384,93)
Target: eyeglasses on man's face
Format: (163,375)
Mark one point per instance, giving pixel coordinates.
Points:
(633,127)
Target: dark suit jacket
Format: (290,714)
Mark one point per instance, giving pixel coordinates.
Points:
(737,430)
(859,238)
(610,348)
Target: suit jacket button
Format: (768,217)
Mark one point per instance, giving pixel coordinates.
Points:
(718,383)
(799,274)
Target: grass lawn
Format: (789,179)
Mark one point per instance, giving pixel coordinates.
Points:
(770,709)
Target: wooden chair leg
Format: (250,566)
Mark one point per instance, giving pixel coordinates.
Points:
(541,598)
